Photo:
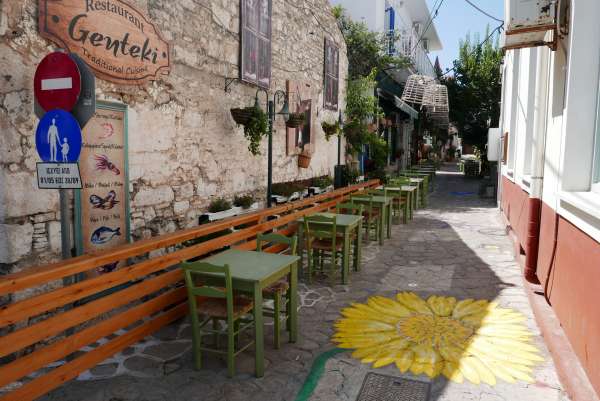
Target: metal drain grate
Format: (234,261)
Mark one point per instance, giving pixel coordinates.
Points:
(377,387)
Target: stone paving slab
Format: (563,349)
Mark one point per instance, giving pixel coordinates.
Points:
(455,247)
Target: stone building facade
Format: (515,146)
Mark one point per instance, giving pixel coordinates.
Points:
(184,147)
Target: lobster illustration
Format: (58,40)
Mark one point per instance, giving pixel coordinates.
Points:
(106,203)
(102,163)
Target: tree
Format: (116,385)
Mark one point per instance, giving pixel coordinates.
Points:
(367,50)
(475,89)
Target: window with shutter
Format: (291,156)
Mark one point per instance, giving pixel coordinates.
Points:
(332,72)
(255,65)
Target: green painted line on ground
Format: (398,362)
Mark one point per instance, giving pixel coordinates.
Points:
(316,371)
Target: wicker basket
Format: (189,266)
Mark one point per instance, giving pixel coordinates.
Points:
(304,160)
(296,120)
(242,116)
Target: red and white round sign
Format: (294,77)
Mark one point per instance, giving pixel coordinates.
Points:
(57,82)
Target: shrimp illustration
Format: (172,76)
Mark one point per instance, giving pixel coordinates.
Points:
(102,163)
(109,130)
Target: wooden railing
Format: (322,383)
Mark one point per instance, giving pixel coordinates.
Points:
(135,300)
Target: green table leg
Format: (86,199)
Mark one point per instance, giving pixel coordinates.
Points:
(293,303)
(259,339)
(407,208)
(346,257)
(389,225)
(382,219)
(301,245)
(416,197)
(358,248)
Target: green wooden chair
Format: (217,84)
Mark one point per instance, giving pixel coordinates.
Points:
(217,304)
(354,209)
(401,205)
(277,290)
(371,216)
(322,240)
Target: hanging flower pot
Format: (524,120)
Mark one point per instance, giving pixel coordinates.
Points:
(242,116)
(304,159)
(296,120)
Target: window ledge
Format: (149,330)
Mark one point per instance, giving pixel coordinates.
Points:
(583,210)
(587,202)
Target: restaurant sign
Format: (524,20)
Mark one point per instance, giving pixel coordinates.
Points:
(116,40)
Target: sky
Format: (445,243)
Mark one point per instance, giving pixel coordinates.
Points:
(456,18)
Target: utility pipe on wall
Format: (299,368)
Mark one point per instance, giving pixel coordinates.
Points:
(537,172)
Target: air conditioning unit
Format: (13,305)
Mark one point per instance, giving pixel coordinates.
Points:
(530,23)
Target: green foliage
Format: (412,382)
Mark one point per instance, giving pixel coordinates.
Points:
(331,129)
(367,50)
(287,188)
(361,107)
(219,205)
(322,182)
(351,175)
(243,201)
(255,129)
(475,90)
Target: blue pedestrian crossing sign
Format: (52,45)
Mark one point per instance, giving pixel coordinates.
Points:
(58,137)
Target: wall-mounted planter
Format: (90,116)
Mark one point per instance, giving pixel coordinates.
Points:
(303,160)
(242,116)
(234,211)
(296,120)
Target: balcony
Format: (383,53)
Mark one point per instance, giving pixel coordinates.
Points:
(405,43)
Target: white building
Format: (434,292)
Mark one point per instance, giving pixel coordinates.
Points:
(550,175)
(408,24)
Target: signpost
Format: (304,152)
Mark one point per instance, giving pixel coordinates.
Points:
(57,82)
(57,87)
(58,176)
(58,137)
(116,40)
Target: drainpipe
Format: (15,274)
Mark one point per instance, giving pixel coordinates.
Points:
(537,174)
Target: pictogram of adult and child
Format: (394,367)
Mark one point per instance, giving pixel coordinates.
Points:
(53,139)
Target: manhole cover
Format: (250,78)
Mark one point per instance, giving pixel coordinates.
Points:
(377,387)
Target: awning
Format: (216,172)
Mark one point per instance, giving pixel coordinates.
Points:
(398,103)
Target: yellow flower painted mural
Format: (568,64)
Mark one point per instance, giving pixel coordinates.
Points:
(469,339)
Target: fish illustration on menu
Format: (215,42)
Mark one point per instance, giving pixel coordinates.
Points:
(104,234)
(104,164)
(106,203)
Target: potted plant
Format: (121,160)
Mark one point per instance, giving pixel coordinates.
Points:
(244,201)
(242,116)
(256,125)
(321,184)
(304,159)
(330,129)
(296,120)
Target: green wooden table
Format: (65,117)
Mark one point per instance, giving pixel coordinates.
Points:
(384,203)
(345,224)
(251,272)
(421,179)
(400,192)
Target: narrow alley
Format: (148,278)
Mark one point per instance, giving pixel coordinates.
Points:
(457,246)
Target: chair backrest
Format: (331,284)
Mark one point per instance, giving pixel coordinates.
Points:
(366,200)
(208,281)
(349,208)
(320,227)
(378,192)
(399,181)
(277,239)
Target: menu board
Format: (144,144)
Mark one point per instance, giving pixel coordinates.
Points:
(103,204)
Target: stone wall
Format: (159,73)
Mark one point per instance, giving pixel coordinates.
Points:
(184,147)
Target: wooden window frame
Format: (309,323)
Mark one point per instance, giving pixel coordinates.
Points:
(250,34)
(331,75)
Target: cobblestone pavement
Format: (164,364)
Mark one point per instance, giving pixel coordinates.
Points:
(457,246)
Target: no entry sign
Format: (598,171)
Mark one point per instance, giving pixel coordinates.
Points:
(58,137)
(57,82)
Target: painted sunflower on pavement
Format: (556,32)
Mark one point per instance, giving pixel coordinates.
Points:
(468,339)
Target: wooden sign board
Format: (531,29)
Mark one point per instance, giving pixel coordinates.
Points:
(116,40)
(102,205)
